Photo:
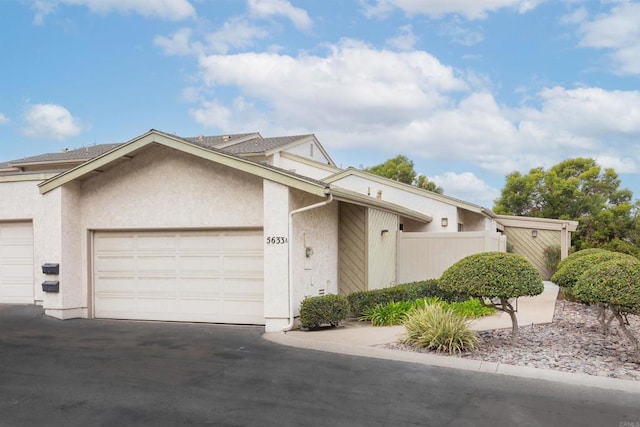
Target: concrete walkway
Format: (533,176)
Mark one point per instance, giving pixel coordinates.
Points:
(362,339)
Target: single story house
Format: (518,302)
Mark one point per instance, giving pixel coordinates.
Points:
(223,229)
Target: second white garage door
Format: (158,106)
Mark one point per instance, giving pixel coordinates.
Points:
(195,276)
(16,263)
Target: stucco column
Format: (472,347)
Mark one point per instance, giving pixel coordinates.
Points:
(276,255)
(60,242)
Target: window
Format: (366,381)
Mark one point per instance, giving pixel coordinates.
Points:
(460,227)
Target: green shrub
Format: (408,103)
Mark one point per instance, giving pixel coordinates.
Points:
(392,313)
(323,310)
(471,308)
(577,255)
(614,285)
(574,265)
(552,256)
(361,302)
(622,246)
(496,277)
(613,282)
(439,329)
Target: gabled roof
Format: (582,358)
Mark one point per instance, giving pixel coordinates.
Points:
(410,188)
(263,145)
(84,153)
(128,150)
(221,141)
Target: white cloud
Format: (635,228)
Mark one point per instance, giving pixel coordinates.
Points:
(3,119)
(236,33)
(404,39)
(337,90)
(466,186)
(50,121)
(460,34)
(179,43)
(268,8)
(619,32)
(410,102)
(470,9)
(172,10)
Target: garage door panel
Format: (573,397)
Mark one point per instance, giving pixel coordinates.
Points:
(157,263)
(16,263)
(208,242)
(201,263)
(201,276)
(115,264)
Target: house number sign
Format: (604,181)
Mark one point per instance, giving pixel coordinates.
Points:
(276,240)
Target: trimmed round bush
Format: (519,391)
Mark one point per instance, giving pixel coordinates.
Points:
(577,255)
(323,310)
(493,275)
(439,329)
(576,264)
(613,282)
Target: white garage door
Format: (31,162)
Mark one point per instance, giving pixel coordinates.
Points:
(16,263)
(195,276)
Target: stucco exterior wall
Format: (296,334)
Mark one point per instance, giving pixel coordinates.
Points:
(276,256)
(164,188)
(409,200)
(316,229)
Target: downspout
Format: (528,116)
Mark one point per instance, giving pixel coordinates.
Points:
(291,214)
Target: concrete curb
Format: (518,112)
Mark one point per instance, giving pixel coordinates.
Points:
(578,379)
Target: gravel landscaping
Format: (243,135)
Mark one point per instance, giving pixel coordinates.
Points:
(572,343)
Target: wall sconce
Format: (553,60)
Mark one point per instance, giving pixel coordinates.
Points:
(384,233)
(444,222)
(308,252)
(534,233)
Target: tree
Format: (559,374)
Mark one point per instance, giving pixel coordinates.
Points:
(574,189)
(401,169)
(494,278)
(615,285)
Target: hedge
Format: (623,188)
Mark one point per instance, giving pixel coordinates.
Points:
(361,302)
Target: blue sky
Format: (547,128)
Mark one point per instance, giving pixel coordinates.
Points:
(470,90)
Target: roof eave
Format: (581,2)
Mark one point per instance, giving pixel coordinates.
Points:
(180,144)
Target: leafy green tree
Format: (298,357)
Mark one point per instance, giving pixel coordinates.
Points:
(401,169)
(495,278)
(574,189)
(424,183)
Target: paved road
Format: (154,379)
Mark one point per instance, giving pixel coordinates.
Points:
(118,373)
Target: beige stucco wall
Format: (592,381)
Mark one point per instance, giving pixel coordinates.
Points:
(164,188)
(316,229)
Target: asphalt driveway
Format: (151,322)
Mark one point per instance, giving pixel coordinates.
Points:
(117,373)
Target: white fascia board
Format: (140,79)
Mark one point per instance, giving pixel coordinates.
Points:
(179,144)
(343,195)
(306,161)
(301,141)
(412,189)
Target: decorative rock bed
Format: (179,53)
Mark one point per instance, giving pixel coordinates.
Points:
(572,343)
